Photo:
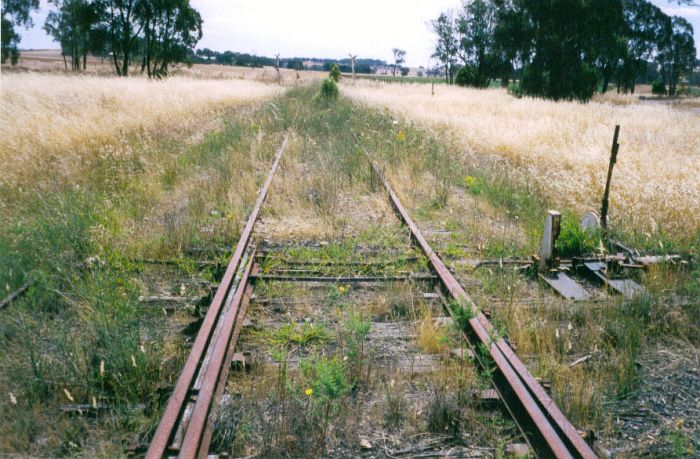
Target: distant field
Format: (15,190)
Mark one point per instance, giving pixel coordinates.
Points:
(563,147)
(400,79)
(51,61)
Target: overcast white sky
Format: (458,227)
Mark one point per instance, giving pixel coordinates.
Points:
(322,28)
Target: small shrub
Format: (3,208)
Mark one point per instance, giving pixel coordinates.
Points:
(357,329)
(329,381)
(335,73)
(302,335)
(658,88)
(443,414)
(232,428)
(401,307)
(327,376)
(431,338)
(329,89)
(574,240)
(473,184)
(461,315)
(469,76)
(514,89)
(681,444)
(395,407)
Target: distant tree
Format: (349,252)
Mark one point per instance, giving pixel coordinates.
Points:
(329,89)
(206,52)
(10,40)
(563,49)
(642,34)
(75,25)
(335,73)
(658,88)
(513,37)
(561,58)
(405,71)
(15,13)
(677,53)
(476,26)
(399,58)
(124,30)
(606,42)
(170,29)
(446,46)
(295,64)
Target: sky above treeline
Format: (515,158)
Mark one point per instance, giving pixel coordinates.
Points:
(318,28)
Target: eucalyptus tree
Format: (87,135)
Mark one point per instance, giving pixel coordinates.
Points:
(642,34)
(476,25)
(15,13)
(170,29)
(124,30)
(513,36)
(76,26)
(399,58)
(565,48)
(676,57)
(447,43)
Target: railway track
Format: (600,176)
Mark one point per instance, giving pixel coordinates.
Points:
(185,429)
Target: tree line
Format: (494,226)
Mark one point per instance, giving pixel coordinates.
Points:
(207,56)
(150,33)
(564,49)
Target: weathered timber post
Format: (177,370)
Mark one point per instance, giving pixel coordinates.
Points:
(352,64)
(606,195)
(277,67)
(552,227)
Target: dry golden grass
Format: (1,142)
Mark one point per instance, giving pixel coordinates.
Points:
(564,146)
(44,114)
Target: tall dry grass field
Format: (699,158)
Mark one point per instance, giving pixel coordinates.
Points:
(97,175)
(565,146)
(65,118)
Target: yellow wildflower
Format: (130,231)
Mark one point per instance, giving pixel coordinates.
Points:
(309,392)
(400,136)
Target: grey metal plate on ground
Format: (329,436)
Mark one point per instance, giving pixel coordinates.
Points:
(595,265)
(625,287)
(566,286)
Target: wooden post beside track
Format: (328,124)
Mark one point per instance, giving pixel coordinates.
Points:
(606,195)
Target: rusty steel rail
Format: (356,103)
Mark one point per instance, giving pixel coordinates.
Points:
(212,343)
(542,423)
